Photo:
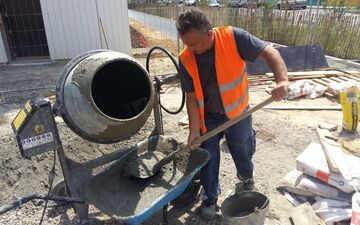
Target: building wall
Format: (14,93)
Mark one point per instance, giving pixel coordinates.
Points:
(3,57)
(74,26)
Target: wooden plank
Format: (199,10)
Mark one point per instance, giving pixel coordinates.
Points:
(327,80)
(344,78)
(291,78)
(329,95)
(260,83)
(305,215)
(310,73)
(329,92)
(353,72)
(336,79)
(333,153)
(317,84)
(329,158)
(304,107)
(261,79)
(321,82)
(353,77)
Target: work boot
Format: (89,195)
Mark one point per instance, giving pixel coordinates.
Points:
(208,211)
(247,185)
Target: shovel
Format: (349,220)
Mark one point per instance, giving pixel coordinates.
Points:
(150,162)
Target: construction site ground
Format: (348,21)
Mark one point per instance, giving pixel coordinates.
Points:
(281,136)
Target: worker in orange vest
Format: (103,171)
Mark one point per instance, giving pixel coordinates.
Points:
(213,75)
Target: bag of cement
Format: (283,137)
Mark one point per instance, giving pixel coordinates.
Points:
(350,106)
(336,87)
(296,200)
(305,88)
(332,211)
(355,217)
(312,161)
(297,182)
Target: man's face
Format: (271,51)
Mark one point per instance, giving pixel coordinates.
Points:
(197,42)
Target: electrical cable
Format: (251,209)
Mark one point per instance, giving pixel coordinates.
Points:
(177,69)
(51,180)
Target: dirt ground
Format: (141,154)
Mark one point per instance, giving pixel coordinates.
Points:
(281,136)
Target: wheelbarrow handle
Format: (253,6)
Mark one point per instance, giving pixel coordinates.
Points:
(231,122)
(17,203)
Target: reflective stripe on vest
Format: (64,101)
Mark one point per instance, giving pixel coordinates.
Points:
(231,75)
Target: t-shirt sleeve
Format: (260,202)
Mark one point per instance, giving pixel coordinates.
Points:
(187,84)
(249,46)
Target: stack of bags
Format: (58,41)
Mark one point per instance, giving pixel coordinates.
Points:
(333,196)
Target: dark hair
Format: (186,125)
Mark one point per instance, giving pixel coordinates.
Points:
(192,19)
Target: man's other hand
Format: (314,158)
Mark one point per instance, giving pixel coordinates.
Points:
(192,137)
(280,91)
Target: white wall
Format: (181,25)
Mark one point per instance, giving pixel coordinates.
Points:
(3,57)
(72,26)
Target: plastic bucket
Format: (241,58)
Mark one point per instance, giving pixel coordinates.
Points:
(350,105)
(245,208)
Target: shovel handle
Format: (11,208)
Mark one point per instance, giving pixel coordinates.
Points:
(231,122)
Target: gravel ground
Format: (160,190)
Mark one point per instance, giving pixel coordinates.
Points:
(281,137)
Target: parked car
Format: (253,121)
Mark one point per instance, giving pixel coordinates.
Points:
(213,3)
(166,2)
(238,3)
(190,2)
(291,4)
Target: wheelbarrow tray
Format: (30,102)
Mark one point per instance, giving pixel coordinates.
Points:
(131,200)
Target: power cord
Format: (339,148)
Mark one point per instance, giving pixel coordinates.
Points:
(177,69)
(51,180)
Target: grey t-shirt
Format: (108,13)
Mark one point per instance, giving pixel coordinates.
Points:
(249,48)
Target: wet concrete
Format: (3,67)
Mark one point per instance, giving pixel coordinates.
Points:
(142,166)
(121,196)
(125,196)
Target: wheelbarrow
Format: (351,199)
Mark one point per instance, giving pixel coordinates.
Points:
(132,200)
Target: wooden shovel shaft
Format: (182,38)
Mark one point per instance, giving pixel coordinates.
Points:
(231,122)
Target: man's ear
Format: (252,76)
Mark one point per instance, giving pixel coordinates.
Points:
(209,34)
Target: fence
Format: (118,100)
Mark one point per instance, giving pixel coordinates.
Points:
(18,83)
(150,24)
(336,31)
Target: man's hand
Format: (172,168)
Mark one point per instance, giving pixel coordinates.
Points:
(278,67)
(280,91)
(192,137)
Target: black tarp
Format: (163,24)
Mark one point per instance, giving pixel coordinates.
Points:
(297,58)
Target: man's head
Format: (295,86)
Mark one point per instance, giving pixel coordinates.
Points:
(195,30)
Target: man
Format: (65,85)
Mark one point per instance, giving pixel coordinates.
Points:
(213,75)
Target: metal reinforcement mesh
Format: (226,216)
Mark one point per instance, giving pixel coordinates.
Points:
(18,83)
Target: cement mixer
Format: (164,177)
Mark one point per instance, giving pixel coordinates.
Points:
(105,97)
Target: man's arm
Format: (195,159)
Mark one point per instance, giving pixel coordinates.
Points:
(278,67)
(194,118)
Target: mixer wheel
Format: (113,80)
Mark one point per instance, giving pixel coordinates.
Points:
(59,189)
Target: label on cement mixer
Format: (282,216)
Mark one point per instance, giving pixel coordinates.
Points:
(355,217)
(37,140)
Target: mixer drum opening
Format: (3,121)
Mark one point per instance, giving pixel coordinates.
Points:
(104,96)
(121,90)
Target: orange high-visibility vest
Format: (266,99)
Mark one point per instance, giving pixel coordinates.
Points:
(230,73)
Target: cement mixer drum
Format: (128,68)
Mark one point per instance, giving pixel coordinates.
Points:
(104,96)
